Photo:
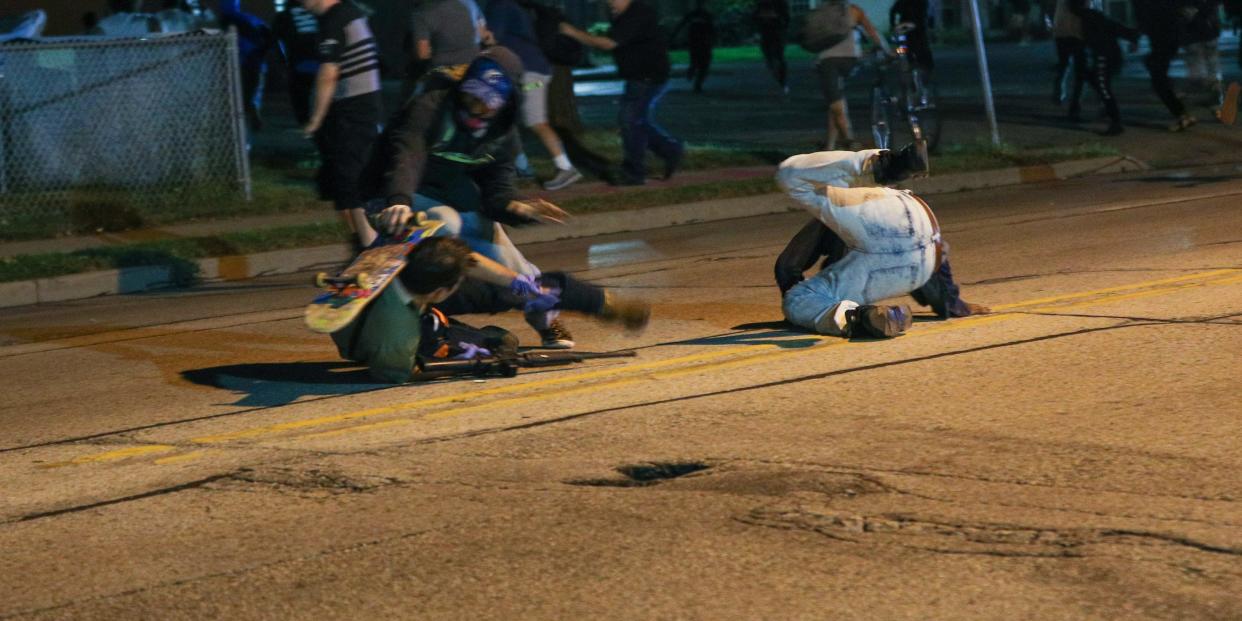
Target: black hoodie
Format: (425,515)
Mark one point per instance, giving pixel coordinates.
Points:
(425,150)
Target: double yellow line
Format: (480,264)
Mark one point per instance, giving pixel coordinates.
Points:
(617,377)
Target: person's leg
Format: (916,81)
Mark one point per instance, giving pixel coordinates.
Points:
(663,144)
(803,176)
(632,117)
(1158,61)
(1064,53)
(831,301)
(1104,86)
(811,243)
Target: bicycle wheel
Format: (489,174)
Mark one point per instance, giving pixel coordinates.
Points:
(922,109)
(881,117)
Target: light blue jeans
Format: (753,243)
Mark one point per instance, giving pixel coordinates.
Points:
(481,233)
(890,236)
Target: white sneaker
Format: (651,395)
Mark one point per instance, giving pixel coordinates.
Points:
(563,179)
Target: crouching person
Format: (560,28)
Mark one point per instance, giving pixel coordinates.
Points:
(411,318)
(880,242)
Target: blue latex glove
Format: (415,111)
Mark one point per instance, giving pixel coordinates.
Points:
(543,301)
(470,351)
(524,286)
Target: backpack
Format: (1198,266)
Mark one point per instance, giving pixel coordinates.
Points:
(829,24)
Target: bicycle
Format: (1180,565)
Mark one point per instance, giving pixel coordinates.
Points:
(916,101)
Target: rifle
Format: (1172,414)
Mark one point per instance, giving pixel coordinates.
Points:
(507,366)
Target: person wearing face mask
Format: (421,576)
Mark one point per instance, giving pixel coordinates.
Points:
(449,154)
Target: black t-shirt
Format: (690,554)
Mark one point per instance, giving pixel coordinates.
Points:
(345,39)
(641,52)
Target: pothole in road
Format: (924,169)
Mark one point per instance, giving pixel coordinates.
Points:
(645,474)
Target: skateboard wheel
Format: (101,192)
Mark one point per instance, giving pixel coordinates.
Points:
(361,279)
(321,280)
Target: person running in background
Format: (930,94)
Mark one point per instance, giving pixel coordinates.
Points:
(1159,19)
(1067,33)
(700,28)
(1101,33)
(297,34)
(836,63)
(565,53)
(771,19)
(641,53)
(514,28)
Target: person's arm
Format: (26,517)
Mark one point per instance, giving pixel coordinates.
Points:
(489,271)
(422,49)
(862,20)
(587,39)
(325,87)
(404,153)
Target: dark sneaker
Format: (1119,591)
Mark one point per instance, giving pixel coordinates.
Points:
(556,336)
(879,321)
(909,161)
(633,315)
(563,179)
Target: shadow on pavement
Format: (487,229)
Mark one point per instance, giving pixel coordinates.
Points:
(280,383)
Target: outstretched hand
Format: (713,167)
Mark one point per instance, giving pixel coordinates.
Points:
(539,210)
(393,219)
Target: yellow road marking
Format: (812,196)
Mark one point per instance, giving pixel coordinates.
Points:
(176,459)
(1095,292)
(132,451)
(754,358)
(658,369)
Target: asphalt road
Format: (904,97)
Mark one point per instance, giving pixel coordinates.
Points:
(199,454)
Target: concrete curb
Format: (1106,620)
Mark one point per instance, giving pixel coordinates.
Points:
(140,279)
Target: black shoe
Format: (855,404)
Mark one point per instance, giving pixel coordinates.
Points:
(878,321)
(552,333)
(909,161)
(672,163)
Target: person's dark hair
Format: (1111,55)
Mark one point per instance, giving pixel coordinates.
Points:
(435,263)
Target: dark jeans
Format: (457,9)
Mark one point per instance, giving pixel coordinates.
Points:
(344,141)
(815,241)
(1102,81)
(639,131)
(1163,50)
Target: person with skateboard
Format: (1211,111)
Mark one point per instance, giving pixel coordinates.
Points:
(881,242)
(449,154)
(410,323)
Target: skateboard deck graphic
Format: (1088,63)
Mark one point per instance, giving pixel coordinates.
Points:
(348,293)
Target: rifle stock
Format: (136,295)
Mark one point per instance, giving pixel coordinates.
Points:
(507,366)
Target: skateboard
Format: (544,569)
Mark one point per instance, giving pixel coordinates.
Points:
(363,280)
(1229,109)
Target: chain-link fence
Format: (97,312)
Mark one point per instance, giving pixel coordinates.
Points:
(108,134)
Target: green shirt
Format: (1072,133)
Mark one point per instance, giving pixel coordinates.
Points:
(385,336)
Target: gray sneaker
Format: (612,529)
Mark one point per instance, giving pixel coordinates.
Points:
(563,179)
